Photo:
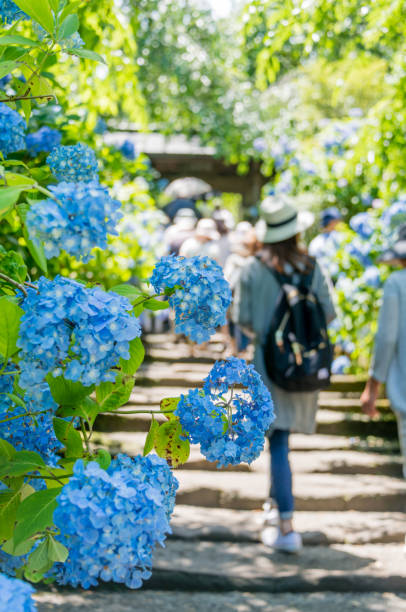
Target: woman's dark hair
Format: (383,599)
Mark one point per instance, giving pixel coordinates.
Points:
(287,252)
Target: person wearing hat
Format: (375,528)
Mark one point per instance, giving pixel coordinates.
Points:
(183,228)
(389,358)
(256,297)
(204,242)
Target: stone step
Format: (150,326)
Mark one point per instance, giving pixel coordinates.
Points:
(328,422)
(125,600)
(318,461)
(313,492)
(213,566)
(316,528)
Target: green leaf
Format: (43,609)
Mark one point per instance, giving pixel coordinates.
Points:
(6,450)
(88,409)
(154,304)
(170,445)
(35,514)
(21,463)
(150,439)
(37,251)
(69,26)
(113,395)
(169,404)
(9,500)
(16,399)
(16,39)
(40,11)
(103,458)
(9,196)
(10,315)
(56,550)
(86,53)
(13,178)
(67,392)
(137,353)
(69,9)
(54,5)
(129,291)
(69,437)
(6,67)
(38,559)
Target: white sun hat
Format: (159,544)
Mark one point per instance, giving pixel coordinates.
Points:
(281,220)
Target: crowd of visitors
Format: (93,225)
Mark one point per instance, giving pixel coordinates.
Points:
(283,302)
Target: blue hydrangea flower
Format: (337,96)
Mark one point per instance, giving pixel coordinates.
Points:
(360,250)
(10,12)
(16,595)
(101,126)
(228,423)
(45,139)
(72,330)
(371,277)
(79,220)
(202,295)
(111,521)
(12,130)
(340,364)
(4,81)
(9,564)
(362,225)
(128,149)
(30,433)
(73,42)
(395,214)
(74,164)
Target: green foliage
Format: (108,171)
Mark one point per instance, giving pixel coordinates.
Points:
(10,315)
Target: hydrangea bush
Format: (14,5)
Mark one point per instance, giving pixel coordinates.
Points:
(70,346)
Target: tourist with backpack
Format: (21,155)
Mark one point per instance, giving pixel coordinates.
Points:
(284,300)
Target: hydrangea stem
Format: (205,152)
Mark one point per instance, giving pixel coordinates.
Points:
(14,283)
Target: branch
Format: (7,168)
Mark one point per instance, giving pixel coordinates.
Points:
(16,98)
(11,281)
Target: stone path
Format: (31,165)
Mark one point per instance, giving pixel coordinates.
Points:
(350,497)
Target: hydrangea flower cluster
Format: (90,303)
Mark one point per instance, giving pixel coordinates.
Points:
(9,564)
(362,225)
(16,595)
(128,149)
(10,12)
(202,294)
(371,277)
(111,521)
(81,218)
(395,214)
(31,433)
(44,139)
(340,364)
(72,330)
(228,424)
(74,164)
(12,130)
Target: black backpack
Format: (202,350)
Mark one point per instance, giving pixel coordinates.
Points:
(297,350)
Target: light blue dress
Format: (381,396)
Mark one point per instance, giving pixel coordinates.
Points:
(254,303)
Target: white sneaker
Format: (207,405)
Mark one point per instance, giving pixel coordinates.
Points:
(270,515)
(289,543)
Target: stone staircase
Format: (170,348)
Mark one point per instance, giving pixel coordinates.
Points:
(350,500)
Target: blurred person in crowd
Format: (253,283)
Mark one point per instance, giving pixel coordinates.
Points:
(389,359)
(224,221)
(243,244)
(204,241)
(183,228)
(257,295)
